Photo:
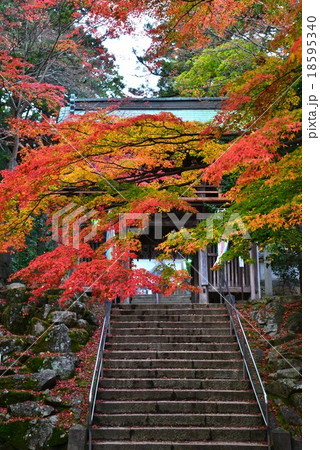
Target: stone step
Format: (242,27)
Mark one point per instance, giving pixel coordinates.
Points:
(163,301)
(152,297)
(163,324)
(179,433)
(174,309)
(195,306)
(174,373)
(176,407)
(175,394)
(173,380)
(171,364)
(146,354)
(172,338)
(221,316)
(195,445)
(166,310)
(173,383)
(225,331)
(159,346)
(196,420)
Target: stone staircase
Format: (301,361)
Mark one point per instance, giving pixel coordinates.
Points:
(173,380)
(150,299)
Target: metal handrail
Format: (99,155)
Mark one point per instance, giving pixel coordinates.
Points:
(249,364)
(105,330)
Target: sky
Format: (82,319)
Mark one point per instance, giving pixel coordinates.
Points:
(133,72)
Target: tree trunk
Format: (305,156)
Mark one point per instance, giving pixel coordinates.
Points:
(14,155)
(5,263)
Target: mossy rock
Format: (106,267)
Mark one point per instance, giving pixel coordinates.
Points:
(52,297)
(35,364)
(79,338)
(83,324)
(57,339)
(11,397)
(16,317)
(38,326)
(294,321)
(13,433)
(64,364)
(18,382)
(20,295)
(283,339)
(35,434)
(91,317)
(296,400)
(58,438)
(9,345)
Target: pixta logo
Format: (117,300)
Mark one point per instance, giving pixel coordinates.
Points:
(70,224)
(139,224)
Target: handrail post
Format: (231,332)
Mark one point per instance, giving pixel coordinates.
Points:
(236,325)
(244,368)
(98,367)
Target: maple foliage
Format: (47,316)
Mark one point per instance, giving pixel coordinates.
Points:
(46,47)
(145,164)
(137,165)
(251,54)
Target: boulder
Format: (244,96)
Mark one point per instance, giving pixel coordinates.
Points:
(289,373)
(38,326)
(296,400)
(17,294)
(47,379)
(63,365)
(46,311)
(9,345)
(290,416)
(16,317)
(269,316)
(283,387)
(40,433)
(56,339)
(67,317)
(294,322)
(33,434)
(283,339)
(79,338)
(91,318)
(9,397)
(15,286)
(275,361)
(84,325)
(79,308)
(20,381)
(54,400)
(30,409)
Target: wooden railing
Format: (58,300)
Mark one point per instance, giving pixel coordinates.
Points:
(238,277)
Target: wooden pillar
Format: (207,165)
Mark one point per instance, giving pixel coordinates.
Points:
(252,276)
(268,288)
(258,273)
(203,276)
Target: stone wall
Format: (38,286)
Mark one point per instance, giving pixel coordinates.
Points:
(44,368)
(274,329)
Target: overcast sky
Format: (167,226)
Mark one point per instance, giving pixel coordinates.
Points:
(134,73)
